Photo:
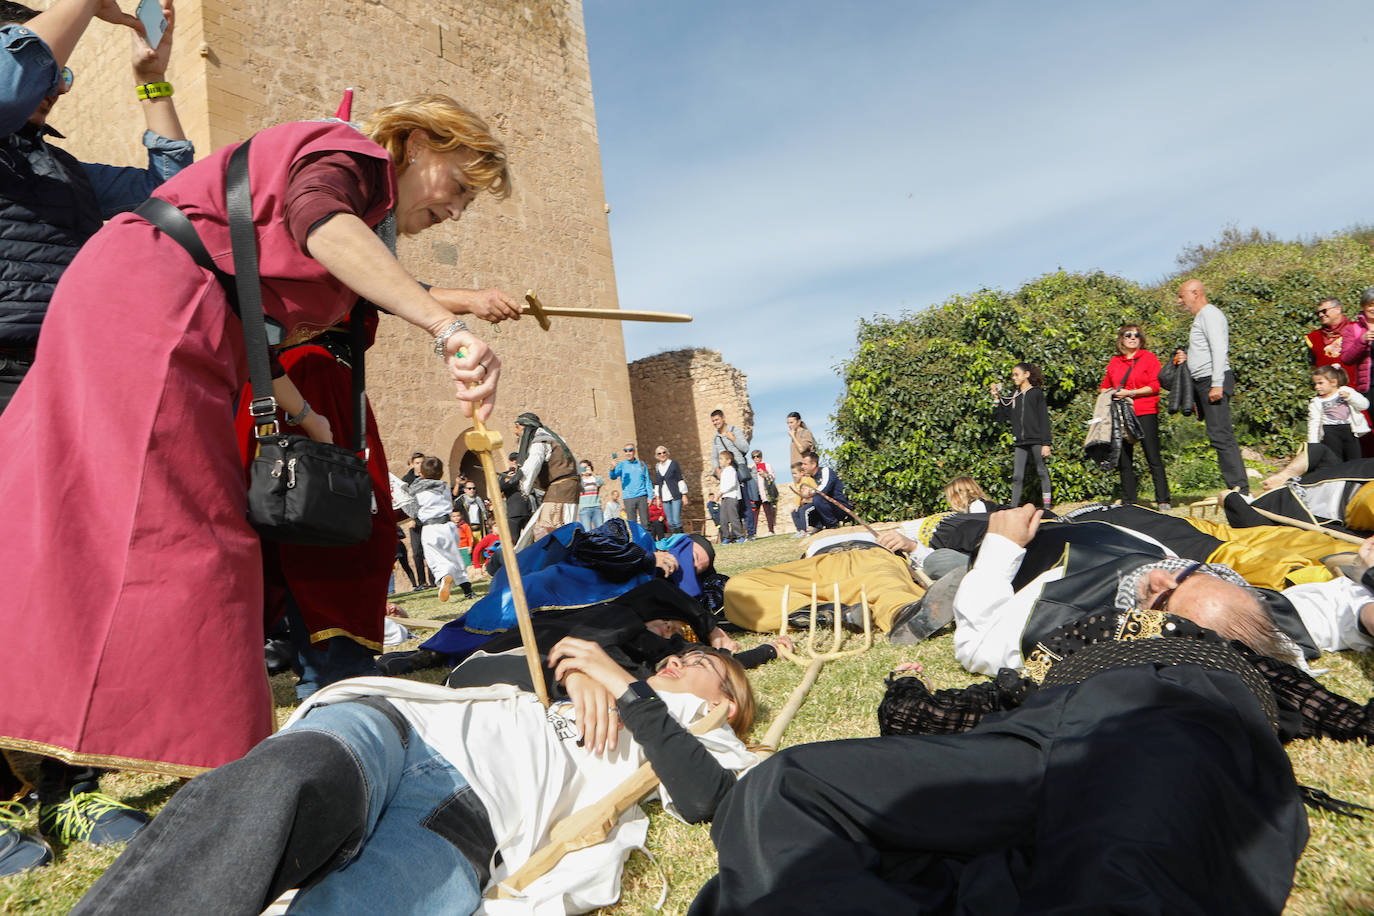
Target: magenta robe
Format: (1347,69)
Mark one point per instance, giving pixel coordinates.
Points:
(130,581)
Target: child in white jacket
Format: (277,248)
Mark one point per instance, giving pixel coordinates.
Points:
(1335,417)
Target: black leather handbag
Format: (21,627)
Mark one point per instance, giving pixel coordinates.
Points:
(300,491)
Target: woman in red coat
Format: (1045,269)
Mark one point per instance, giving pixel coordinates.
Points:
(123,535)
(1134,373)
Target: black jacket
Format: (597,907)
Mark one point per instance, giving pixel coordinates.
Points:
(48,210)
(672,478)
(1029,417)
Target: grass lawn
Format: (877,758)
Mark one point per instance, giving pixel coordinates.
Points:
(1335,875)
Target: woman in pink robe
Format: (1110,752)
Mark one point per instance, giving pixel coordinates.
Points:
(130,580)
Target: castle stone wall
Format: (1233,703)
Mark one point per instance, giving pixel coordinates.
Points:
(674,394)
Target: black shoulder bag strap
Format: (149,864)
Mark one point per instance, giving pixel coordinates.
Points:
(243,237)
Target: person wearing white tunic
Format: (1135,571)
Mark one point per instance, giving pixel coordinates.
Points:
(387,795)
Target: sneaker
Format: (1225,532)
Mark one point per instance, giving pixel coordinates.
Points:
(90,816)
(1163,507)
(445,588)
(467,590)
(395,664)
(19,851)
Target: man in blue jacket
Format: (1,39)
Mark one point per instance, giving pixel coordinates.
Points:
(50,203)
(635,484)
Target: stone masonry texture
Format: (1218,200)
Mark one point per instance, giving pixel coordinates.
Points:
(674,394)
(242,65)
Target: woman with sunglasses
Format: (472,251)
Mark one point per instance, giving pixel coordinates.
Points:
(1134,373)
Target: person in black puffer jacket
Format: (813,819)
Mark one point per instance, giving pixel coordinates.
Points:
(1029,417)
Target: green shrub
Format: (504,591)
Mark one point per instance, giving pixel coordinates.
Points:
(916,409)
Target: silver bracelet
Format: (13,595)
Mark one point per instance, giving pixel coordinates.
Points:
(454,327)
(295,420)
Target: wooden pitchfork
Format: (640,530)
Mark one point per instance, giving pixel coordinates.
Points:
(811,659)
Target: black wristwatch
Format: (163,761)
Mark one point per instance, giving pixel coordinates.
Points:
(638,690)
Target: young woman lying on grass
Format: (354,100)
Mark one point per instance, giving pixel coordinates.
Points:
(419,797)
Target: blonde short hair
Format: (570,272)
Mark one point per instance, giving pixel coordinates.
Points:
(446,126)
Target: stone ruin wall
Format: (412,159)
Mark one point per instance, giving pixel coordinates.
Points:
(241,65)
(674,394)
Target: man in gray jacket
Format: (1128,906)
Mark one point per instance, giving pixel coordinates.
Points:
(1213,383)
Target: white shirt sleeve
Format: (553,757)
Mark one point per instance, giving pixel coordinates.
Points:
(989,616)
(539,453)
(1314,420)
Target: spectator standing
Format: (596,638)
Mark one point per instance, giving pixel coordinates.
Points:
(768,488)
(518,510)
(733,440)
(1362,380)
(1213,382)
(1335,417)
(589,503)
(612,508)
(730,492)
(801,516)
(802,440)
(1337,341)
(1029,417)
(713,509)
(669,488)
(635,485)
(1134,373)
(50,203)
(473,510)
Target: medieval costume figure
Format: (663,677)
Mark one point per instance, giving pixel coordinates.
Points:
(422,798)
(145,438)
(573,568)
(1141,785)
(547,465)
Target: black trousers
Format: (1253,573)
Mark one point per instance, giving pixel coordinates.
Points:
(1221,433)
(1136,791)
(1149,443)
(1342,441)
(417,550)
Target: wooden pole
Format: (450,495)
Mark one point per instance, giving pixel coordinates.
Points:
(1308,526)
(794,703)
(484,442)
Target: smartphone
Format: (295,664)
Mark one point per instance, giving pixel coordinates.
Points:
(149,13)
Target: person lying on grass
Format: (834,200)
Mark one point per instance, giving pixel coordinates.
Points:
(1031,575)
(572,567)
(388,795)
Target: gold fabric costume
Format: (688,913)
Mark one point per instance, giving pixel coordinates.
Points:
(753,600)
(1272,556)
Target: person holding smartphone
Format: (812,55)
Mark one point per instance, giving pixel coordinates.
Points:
(50,203)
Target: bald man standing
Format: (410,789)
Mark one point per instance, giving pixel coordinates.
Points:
(1213,383)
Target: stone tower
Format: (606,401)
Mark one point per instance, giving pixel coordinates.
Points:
(674,394)
(241,65)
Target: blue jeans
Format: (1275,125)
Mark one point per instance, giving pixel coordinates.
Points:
(321,664)
(750,515)
(672,514)
(349,804)
(590,517)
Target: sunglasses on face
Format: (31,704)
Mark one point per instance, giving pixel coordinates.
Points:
(1131,335)
(1161,602)
(1323,311)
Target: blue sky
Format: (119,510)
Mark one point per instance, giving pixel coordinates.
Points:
(782,169)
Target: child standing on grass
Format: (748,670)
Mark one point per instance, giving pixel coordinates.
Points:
(1029,417)
(1335,417)
(730,530)
(438,533)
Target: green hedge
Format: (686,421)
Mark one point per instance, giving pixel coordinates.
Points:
(916,409)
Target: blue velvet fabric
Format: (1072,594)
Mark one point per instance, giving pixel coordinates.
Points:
(568,568)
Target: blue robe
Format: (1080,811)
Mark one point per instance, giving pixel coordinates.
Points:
(567,568)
